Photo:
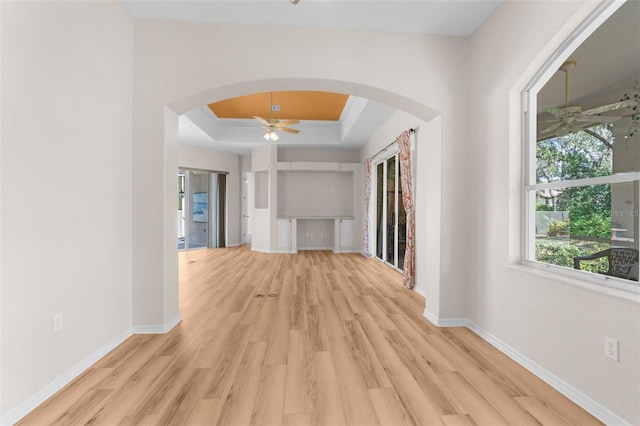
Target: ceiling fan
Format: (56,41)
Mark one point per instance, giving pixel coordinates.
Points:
(273,124)
(571,118)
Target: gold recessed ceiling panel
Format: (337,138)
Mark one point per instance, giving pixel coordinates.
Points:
(298,105)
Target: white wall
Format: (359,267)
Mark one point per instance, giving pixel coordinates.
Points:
(307,193)
(207,159)
(264,181)
(66,190)
(324,155)
(558,324)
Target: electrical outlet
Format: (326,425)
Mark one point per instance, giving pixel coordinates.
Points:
(611,348)
(275,108)
(57,322)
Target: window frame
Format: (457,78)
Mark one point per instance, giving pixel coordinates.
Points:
(529,138)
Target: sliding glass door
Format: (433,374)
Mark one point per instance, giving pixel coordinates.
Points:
(390,215)
(201,209)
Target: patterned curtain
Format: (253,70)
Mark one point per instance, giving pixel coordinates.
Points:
(366,252)
(404,145)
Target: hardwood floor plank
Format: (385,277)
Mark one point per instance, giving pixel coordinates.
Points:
(330,409)
(300,393)
(419,408)
(278,341)
(388,407)
(342,306)
(388,357)
(269,402)
(238,406)
(224,371)
(473,401)
(298,305)
(298,419)
(374,309)
(205,412)
(316,339)
(459,420)
(432,387)
(340,342)
(148,420)
(185,396)
(56,406)
(357,403)
(542,412)
(365,356)
(128,396)
(83,409)
(420,341)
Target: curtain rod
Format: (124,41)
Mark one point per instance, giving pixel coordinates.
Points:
(411,131)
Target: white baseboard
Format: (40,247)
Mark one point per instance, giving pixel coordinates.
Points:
(24,408)
(596,409)
(448,322)
(420,292)
(157,329)
(260,249)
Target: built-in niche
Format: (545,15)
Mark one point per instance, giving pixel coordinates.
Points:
(261,179)
(315,193)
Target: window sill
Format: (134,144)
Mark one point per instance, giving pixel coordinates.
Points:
(602,284)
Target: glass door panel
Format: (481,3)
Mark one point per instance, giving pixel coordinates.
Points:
(198,219)
(391,229)
(181,209)
(380,210)
(391,211)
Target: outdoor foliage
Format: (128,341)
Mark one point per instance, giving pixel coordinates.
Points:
(579,155)
(558,227)
(562,254)
(595,226)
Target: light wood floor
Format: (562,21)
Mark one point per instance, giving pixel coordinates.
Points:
(336,340)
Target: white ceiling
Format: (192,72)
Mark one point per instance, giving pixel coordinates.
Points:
(445,17)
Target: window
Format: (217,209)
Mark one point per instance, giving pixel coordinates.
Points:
(582,177)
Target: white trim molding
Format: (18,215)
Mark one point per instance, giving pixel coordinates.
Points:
(157,329)
(28,405)
(596,409)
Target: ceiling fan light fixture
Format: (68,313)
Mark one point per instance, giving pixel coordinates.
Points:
(270,135)
(294,1)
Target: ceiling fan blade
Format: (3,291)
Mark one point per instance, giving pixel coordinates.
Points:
(611,107)
(552,127)
(599,119)
(288,130)
(556,111)
(287,123)
(263,121)
(566,110)
(553,120)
